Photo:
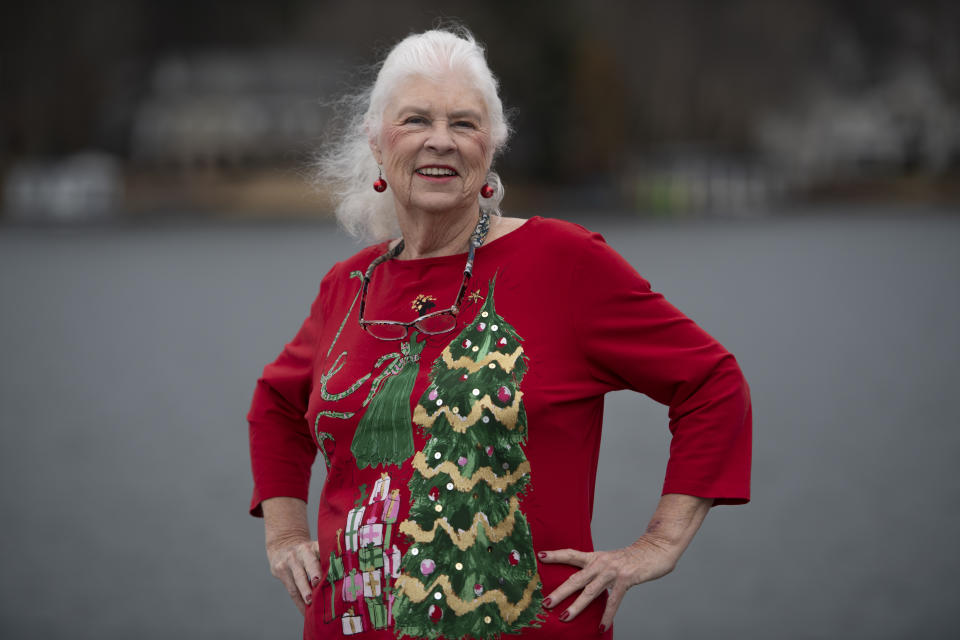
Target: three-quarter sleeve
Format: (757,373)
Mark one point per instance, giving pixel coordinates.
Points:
(632,338)
(282,449)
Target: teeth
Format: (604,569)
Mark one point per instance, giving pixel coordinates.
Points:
(436,171)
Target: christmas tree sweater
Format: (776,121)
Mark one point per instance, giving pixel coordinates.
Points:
(452,459)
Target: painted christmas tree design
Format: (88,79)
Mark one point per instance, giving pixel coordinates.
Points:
(470,569)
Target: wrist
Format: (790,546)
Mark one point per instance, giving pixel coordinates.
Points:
(278,539)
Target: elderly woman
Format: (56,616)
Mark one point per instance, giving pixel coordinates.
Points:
(452,377)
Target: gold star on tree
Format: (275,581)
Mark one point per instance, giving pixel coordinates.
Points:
(475,296)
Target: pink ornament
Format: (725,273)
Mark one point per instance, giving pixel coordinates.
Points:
(502,342)
(489,450)
(503,394)
(478,589)
(427,566)
(433,394)
(433,494)
(462,461)
(514,558)
(435,613)
(481,326)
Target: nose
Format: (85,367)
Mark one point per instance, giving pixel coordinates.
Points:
(440,141)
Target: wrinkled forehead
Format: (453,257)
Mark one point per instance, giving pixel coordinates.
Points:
(442,95)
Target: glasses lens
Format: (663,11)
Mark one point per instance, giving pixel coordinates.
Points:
(387,331)
(440,323)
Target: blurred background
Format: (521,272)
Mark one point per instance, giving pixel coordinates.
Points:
(786,173)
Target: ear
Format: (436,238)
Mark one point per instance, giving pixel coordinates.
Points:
(375,148)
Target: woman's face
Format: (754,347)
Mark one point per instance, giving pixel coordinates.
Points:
(435,144)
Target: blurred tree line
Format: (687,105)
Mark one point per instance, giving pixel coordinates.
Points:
(591,86)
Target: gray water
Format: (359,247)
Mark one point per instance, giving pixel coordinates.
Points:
(129,356)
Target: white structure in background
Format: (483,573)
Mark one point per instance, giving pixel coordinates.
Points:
(903,124)
(700,180)
(231,108)
(78,187)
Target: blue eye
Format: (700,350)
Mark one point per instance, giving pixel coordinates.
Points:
(465,123)
(415,120)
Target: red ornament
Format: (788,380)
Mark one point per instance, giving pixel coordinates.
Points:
(502,342)
(478,589)
(503,394)
(489,450)
(486,191)
(435,613)
(514,558)
(463,377)
(379,185)
(466,343)
(433,494)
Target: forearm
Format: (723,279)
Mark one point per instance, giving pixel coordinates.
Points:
(675,522)
(285,520)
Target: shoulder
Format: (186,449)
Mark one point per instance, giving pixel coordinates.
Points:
(342,280)
(584,251)
(357,262)
(560,235)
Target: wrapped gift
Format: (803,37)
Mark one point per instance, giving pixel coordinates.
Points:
(378,613)
(335,570)
(371,534)
(371,584)
(371,558)
(352,624)
(381,488)
(391,562)
(352,586)
(386,536)
(334,573)
(374,512)
(391,507)
(354,522)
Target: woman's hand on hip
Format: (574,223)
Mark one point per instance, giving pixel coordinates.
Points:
(293,556)
(295,563)
(653,555)
(614,571)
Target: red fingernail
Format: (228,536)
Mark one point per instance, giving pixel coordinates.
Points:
(541,554)
(603,628)
(308,600)
(565,615)
(547,602)
(315,581)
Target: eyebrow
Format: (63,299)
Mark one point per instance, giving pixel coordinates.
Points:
(460,113)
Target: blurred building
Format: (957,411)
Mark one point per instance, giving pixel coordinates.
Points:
(231,108)
(680,108)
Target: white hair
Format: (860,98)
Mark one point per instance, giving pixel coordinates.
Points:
(347,166)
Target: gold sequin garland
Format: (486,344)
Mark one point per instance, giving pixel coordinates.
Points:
(507,362)
(414,589)
(466,484)
(464,539)
(507,416)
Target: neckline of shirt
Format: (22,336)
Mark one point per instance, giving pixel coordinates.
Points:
(458,258)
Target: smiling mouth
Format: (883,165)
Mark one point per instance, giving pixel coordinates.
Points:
(438,172)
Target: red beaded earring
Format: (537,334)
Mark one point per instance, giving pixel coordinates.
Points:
(380,185)
(486,191)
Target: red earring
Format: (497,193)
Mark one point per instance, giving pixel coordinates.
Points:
(380,185)
(486,191)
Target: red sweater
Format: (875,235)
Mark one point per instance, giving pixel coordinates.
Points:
(587,323)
